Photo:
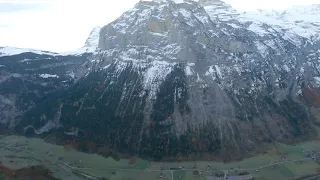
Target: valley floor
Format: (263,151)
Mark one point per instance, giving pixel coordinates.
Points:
(278,162)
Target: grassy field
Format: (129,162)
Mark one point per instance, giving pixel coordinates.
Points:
(18,152)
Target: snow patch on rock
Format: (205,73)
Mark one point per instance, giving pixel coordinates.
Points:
(46,128)
(155,75)
(317,80)
(189,71)
(48,76)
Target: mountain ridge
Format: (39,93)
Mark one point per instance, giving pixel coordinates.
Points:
(306,16)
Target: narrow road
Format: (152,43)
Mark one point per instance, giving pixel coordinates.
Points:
(225,175)
(171,175)
(225,171)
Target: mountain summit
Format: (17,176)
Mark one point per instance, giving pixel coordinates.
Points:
(90,45)
(93,38)
(176,79)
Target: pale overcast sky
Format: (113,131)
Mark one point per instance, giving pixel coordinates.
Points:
(63,25)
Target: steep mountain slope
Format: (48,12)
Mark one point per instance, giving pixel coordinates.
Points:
(171,80)
(28,78)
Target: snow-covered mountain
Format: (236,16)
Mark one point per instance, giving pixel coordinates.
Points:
(179,78)
(90,46)
(294,23)
(9,51)
(302,21)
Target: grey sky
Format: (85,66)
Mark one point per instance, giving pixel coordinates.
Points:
(63,25)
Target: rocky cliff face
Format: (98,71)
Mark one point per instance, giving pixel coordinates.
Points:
(179,79)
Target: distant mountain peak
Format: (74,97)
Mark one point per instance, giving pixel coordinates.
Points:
(90,45)
(9,51)
(208,2)
(93,39)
